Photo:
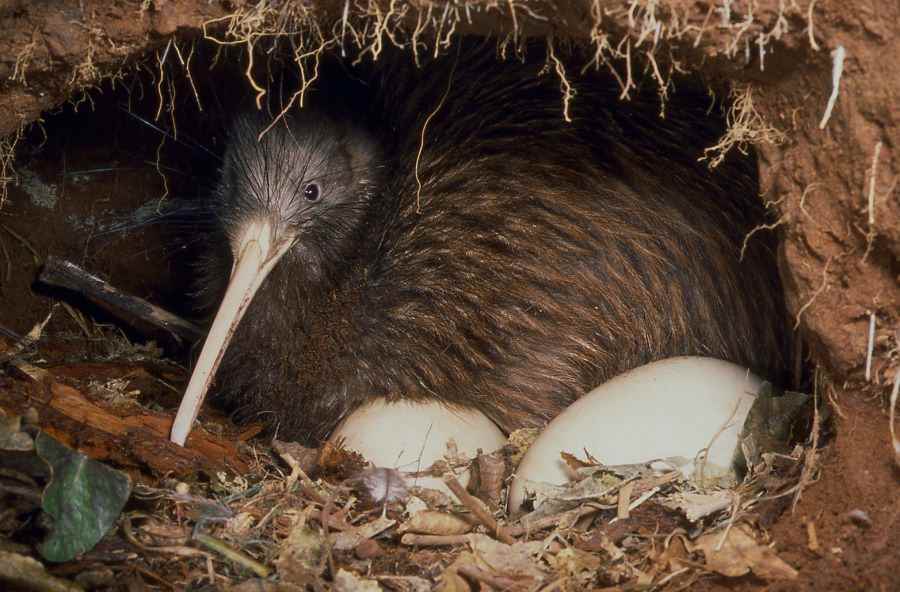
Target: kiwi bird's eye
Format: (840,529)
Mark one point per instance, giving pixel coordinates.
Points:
(312,192)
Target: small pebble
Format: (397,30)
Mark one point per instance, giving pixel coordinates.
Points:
(182,488)
(859,518)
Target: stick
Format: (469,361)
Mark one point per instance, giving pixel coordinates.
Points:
(134,311)
(622,511)
(483,577)
(23,343)
(232,554)
(71,403)
(554,520)
(477,509)
(433,540)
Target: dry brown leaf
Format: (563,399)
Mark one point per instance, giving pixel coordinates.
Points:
(349,539)
(368,549)
(405,583)
(575,463)
(302,552)
(671,557)
(468,568)
(158,532)
(450,580)
(576,564)
(699,505)
(307,458)
(258,585)
(432,498)
(434,522)
(489,474)
(740,554)
(519,442)
(517,560)
(346,581)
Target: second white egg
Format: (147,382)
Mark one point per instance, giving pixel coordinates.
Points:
(670,408)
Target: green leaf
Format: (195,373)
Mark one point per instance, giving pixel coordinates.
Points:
(84,498)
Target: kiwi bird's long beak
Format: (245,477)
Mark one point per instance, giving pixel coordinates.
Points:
(257,254)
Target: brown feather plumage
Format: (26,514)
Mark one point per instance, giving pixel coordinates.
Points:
(538,259)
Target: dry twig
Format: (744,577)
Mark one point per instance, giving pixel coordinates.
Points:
(477,509)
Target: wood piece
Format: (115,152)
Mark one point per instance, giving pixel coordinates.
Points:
(74,405)
(143,316)
(147,432)
(474,505)
(433,540)
(479,575)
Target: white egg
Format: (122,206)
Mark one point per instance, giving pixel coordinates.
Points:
(411,436)
(670,408)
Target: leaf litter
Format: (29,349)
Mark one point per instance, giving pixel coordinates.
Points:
(256,515)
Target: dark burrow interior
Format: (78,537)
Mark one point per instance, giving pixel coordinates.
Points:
(112,181)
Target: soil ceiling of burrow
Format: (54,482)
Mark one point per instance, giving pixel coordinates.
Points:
(814,90)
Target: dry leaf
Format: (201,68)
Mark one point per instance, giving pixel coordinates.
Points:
(349,539)
(671,557)
(433,522)
(520,441)
(307,458)
(457,576)
(575,563)
(450,580)
(432,498)
(698,505)
(368,549)
(740,554)
(405,583)
(302,552)
(516,560)
(489,474)
(345,581)
(575,463)
(258,585)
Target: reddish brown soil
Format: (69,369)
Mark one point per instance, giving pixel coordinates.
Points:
(857,474)
(51,50)
(838,267)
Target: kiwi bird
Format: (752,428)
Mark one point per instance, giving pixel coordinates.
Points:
(456,239)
